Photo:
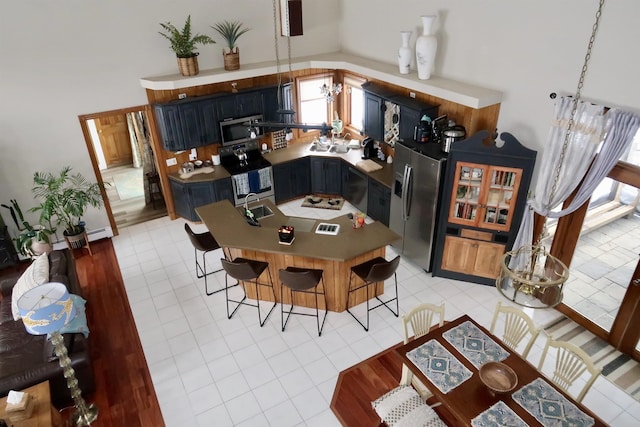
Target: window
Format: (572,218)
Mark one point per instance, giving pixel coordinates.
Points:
(354,103)
(313,106)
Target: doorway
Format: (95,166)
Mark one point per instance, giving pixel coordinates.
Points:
(121,152)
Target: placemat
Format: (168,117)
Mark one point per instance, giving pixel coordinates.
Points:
(498,415)
(550,407)
(439,366)
(476,346)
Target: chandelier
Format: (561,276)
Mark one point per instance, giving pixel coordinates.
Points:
(330,92)
(530,276)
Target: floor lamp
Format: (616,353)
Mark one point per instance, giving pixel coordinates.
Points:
(45,309)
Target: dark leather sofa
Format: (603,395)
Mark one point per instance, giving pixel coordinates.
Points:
(25,359)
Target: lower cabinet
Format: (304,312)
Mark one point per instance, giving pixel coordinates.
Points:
(470,256)
(188,196)
(379,201)
(291,180)
(326,176)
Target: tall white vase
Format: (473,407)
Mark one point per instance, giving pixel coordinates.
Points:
(404,53)
(426,46)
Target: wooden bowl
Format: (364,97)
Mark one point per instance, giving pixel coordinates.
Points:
(498,377)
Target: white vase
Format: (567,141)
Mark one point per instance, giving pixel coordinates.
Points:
(404,53)
(426,46)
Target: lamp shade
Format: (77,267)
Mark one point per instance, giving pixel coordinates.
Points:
(46,308)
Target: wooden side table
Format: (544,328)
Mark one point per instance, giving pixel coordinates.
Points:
(44,414)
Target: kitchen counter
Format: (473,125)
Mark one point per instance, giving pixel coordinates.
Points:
(334,254)
(218,173)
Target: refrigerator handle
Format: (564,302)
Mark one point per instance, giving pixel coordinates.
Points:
(404,192)
(408,193)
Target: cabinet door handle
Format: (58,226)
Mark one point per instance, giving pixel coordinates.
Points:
(635,282)
(474,245)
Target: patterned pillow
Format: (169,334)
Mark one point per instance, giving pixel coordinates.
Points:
(403,407)
(36,274)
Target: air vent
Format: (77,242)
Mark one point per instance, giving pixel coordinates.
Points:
(326,228)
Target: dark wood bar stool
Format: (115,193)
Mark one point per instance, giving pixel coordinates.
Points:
(306,281)
(375,270)
(247,271)
(153,183)
(203,242)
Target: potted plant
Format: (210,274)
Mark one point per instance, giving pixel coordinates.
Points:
(66,197)
(183,43)
(32,240)
(230,32)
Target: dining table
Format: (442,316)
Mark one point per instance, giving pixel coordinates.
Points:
(447,360)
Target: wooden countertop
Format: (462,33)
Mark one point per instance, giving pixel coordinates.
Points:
(228,226)
(294,152)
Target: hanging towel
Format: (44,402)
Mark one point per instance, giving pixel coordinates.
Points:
(254,181)
(242,184)
(265,179)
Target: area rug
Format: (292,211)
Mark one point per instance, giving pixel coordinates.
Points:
(129,184)
(617,367)
(312,201)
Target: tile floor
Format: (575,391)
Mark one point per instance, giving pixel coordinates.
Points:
(208,370)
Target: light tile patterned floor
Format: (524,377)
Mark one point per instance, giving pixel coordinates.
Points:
(211,371)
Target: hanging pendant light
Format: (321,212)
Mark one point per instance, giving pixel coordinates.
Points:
(530,276)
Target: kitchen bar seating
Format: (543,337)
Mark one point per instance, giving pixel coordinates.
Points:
(370,272)
(203,242)
(247,271)
(304,280)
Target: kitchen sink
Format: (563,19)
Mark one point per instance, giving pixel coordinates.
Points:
(261,211)
(319,147)
(339,148)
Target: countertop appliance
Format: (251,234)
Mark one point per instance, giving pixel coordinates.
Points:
(236,130)
(369,150)
(250,172)
(452,134)
(418,169)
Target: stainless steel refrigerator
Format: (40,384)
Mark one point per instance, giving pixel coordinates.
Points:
(418,169)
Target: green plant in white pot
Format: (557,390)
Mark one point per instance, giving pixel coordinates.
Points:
(65,198)
(32,240)
(231,32)
(183,43)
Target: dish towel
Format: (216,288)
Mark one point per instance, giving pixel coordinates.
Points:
(242,184)
(265,178)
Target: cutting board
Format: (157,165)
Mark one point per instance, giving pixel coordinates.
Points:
(369,165)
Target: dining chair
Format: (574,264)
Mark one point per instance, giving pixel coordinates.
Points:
(247,271)
(570,364)
(421,319)
(403,406)
(370,272)
(517,326)
(205,243)
(305,281)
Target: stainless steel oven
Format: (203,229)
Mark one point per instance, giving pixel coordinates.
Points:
(250,172)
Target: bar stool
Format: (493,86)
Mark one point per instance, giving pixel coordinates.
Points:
(153,179)
(375,270)
(203,242)
(306,281)
(247,271)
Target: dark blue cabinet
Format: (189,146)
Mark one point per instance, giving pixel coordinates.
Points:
(169,126)
(188,196)
(326,176)
(291,180)
(379,201)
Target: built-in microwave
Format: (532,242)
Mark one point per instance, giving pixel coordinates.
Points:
(237,130)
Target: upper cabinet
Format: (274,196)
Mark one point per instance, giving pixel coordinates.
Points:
(389,117)
(195,122)
(484,197)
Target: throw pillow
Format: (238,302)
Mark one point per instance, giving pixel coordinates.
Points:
(79,323)
(36,274)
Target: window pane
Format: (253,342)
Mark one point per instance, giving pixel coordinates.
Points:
(310,89)
(314,111)
(357,108)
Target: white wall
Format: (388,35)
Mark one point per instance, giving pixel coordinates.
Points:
(62,59)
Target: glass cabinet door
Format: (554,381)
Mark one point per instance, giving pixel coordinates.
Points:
(465,206)
(501,186)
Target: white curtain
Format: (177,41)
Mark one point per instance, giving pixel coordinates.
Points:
(580,166)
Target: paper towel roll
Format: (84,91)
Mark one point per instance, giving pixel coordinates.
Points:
(215,158)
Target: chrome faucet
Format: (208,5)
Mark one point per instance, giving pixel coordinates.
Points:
(246,201)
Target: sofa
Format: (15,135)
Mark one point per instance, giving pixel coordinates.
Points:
(25,359)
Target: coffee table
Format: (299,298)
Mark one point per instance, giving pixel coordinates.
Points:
(44,414)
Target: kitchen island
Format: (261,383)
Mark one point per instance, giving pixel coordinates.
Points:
(333,254)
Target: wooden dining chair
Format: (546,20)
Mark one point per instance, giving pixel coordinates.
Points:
(517,326)
(421,319)
(571,363)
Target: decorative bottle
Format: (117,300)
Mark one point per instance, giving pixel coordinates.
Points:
(404,53)
(426,46)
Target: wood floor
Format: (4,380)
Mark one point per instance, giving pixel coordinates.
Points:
(124,391)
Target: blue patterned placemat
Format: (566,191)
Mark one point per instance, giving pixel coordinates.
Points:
(499,415)
(474,344)
(549,406)
(439,366)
